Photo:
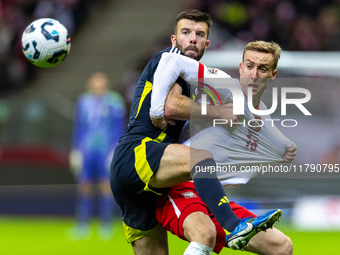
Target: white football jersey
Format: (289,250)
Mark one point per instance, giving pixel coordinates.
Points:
(240,152)
(243,148)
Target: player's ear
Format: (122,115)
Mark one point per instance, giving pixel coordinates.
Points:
(206,45)
(240,68)
(173,40)
(273,75)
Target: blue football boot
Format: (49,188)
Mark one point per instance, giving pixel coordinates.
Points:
(250,226)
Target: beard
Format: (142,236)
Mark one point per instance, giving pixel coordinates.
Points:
(197,56)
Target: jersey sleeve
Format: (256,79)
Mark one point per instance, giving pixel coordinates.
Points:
(170,67)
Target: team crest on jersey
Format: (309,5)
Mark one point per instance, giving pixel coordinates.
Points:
(211,70)
(188,194)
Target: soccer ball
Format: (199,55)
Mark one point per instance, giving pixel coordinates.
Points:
(45,42)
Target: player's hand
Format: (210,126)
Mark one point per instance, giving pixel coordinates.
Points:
(162,122)
(76,161)
(227,114)
(290,153)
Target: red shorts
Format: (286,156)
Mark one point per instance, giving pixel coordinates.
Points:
(182,200)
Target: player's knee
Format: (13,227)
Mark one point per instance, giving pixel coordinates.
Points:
(85,189)
(209,234)
(282,246)
(287,246)
(203,234)
(272,242)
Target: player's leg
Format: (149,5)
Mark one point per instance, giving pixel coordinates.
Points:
(155,242)
(85,188)
(84,202)
(140,226)
(184,214)
(200,231)
(269,243)
(83,208)
(130,171)
(199,228)
(176,164)
(106,203)
(84,197)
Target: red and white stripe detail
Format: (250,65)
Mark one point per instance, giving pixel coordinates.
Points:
(177,211)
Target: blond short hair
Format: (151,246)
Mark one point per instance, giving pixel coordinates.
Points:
(266,47)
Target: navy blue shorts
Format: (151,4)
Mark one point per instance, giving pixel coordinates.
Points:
(95,167)
(132,168)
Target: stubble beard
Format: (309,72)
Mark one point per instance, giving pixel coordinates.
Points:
(197,56)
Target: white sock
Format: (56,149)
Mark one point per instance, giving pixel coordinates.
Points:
(195,248)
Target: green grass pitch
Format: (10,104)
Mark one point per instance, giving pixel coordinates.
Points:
(47,235)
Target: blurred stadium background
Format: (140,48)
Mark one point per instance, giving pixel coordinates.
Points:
(37,189)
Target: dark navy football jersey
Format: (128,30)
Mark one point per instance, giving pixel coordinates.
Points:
(140,125)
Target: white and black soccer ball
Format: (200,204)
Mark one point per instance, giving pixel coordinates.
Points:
(45,42)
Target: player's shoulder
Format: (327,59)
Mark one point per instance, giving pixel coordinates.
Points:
(115,98)
(159,54)
(169,49)
(84,96)
(114,94)
(215,72)
(154,60)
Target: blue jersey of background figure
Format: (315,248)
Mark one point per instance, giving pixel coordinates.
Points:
(140,125)
(99,122)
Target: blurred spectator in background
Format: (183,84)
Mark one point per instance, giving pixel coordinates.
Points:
(306,25)
(99,123)
(15,70)
(332,156)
